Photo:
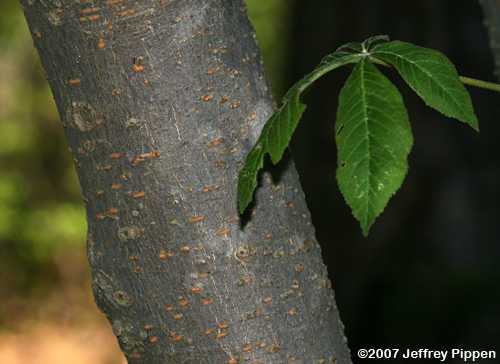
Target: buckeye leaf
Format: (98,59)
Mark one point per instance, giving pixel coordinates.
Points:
(278,130)
(374,139)
(432,76)
(371,42)
(273,140)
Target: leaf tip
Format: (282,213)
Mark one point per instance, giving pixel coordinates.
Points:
(244,198)
(366,227)
(475,125)
(471,120)
(241,207)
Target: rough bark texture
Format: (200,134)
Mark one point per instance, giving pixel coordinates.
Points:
(160,101)
(491,10)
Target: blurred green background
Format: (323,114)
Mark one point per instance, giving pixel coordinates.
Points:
(426,277)
(41,215)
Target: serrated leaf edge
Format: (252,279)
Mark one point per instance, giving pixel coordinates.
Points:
(472,123)
(248,176)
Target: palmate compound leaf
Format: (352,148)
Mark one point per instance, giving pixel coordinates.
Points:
(374,140)
(278,131)
(373,133)
(432,76)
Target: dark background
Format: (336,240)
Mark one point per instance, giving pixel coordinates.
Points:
(426,277)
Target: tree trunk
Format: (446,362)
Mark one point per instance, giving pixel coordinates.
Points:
(161,100)
(491,10)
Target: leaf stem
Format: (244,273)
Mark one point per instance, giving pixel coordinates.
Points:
(320,72)
(480,83)
(465,80)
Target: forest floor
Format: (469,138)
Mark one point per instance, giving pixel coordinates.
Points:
(61,325)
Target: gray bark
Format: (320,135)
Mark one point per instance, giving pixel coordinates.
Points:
(491,9)
(160,101)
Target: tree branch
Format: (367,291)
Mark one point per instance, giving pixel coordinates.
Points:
(491,9)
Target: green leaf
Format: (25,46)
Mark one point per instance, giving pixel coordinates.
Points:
(278,131)
(432,76)
(374,139)
(273,140)
(352,47)
(371,42)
